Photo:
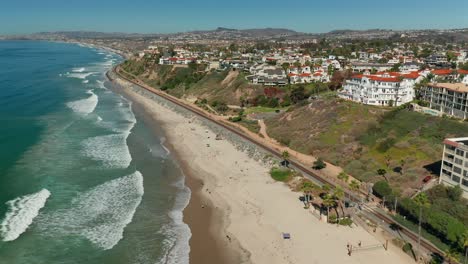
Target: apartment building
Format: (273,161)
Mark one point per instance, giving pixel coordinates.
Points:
(382,89)
(448,98)
(454,169)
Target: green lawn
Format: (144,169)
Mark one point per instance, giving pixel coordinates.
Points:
(280,174)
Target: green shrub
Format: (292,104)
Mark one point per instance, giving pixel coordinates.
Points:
(280,174)
(382,189)
(345,221)
(319,164)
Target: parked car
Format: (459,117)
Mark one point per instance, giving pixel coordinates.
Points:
(427,178)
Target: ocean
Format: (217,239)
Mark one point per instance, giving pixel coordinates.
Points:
(82,178)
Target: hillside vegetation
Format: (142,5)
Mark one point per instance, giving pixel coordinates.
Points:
(363,139)
(192,81)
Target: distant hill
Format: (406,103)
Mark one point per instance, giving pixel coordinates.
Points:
(438,35)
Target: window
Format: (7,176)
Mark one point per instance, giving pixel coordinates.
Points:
(465,173)
(458,161)
(465,182)
(460,152)
(457,170)
(455,178)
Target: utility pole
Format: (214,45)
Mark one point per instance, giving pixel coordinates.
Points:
(396,204)
(419,231)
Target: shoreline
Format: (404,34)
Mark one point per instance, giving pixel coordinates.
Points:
(205,245)
(252,209)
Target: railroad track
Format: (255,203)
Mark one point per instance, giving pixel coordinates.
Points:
(308,172)
(424,243)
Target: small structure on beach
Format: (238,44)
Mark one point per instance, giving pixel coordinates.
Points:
(286,236)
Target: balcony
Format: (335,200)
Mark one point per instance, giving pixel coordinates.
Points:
(448,168)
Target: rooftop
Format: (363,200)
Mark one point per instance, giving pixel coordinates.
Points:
(456,87)
(456,142)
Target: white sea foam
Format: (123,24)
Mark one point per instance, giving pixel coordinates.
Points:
(86,81)
(78,69)
(21,214)
(178,233)
(101,84)
(84,106)
(108,208)
(101,213)
(80,75)
(126,120)
(112,150)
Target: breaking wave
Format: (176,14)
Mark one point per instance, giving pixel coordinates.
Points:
(178,233)
(78,69)
(112,150)
(84,106)
(100,214)
(80,75)
(21,214)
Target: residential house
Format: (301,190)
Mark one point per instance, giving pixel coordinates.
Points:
(267,75)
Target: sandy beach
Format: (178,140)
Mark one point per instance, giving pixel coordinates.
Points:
(237,213)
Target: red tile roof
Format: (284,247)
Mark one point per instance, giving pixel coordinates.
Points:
(442,72)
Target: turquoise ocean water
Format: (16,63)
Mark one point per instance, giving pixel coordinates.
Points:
(82,179)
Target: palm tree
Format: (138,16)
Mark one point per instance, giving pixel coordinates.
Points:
(354,185)
(307,188)
(328,202)
(338,194)
(382,172)
(285,156)
(423,202)
(451,256)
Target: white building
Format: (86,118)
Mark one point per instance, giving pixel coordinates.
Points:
(454,170)
(383,89)
(267,75)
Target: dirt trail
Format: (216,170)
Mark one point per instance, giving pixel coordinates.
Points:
(232,75)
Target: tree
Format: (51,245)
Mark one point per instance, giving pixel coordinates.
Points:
(338,194)
(285,66)
(402,165)
(298,95)
(452,256)
(329,202)
(319,164)
(354,185)
(382,172)
(455,193)
(463,66)
(343,176)
(285,155)
(330,70)
(451,56)
(382,189)
(395,67)
(423,202)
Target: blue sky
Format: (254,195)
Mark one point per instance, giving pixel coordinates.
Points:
(27,16)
